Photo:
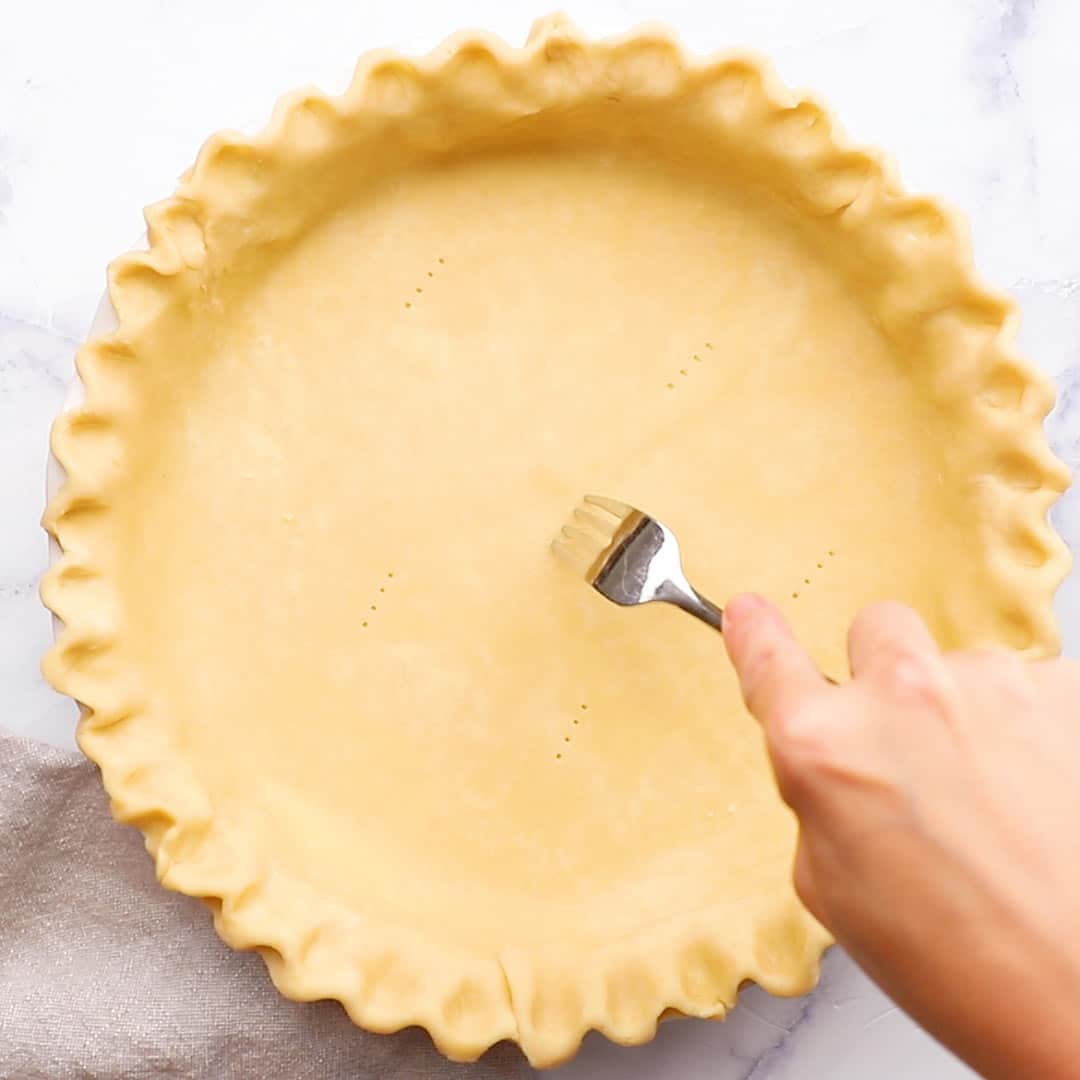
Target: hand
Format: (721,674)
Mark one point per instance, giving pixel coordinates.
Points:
(938,799)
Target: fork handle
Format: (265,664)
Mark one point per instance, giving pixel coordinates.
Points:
(691,601)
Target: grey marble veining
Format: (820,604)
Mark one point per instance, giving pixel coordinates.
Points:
(102,106)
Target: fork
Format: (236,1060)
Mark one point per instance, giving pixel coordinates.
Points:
(630,558)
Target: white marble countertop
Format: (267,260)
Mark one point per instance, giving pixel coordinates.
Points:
(103,105)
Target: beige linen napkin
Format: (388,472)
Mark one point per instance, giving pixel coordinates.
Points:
(104,974)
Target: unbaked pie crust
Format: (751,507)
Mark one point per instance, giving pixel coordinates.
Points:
(370,360)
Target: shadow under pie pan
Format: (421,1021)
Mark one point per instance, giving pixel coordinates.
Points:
(370,359)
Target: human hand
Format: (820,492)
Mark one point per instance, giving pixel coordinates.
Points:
(938,799)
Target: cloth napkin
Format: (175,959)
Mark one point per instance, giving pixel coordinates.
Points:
(106,975)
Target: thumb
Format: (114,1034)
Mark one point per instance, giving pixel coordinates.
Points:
(775,672)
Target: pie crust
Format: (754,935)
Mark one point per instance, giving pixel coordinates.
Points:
(370,360)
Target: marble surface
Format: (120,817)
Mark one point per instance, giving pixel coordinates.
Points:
(103,105)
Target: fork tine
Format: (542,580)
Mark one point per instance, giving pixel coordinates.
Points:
(600,524)
(611,506)
(572,550)
(572,534)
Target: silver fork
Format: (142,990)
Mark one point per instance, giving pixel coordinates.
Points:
(630,558)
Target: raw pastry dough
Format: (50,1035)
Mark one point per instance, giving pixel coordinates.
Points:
(370,361)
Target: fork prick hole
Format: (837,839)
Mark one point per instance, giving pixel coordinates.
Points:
(807,580)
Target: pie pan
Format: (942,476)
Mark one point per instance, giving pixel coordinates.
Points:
(370,358)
